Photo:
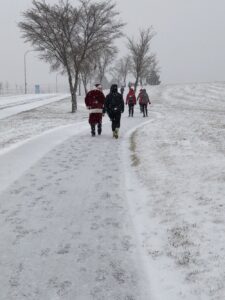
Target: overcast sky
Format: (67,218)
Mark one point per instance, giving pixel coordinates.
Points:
(190,40)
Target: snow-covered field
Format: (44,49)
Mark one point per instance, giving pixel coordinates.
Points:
(35,117)
(181,164)
(12,105)
(141,217)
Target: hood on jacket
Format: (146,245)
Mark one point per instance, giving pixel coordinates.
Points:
(114,88)
(131,92)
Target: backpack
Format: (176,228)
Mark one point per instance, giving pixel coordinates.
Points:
(130,99)
(114,103)
(144,98)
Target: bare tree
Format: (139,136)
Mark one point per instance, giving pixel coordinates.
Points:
(153,77)
(100,21)
(104,60)
(125,66)
(141,58)
(115,71)
(120,70)
(67,36)
(50,29)
(88,72)
(98,65)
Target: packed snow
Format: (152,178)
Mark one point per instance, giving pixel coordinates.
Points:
(141,217)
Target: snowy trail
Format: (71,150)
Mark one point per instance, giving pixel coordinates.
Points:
(66,227)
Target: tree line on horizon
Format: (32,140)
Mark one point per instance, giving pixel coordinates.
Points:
(79,41)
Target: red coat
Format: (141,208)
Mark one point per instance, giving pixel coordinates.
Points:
(143,98)
(131,98)
(94,101)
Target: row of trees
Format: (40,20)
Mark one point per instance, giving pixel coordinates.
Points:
(140,62)
(79,41)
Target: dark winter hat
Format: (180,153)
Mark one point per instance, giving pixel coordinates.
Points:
(114,88)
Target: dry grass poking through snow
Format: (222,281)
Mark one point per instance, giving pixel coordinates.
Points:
(134,158)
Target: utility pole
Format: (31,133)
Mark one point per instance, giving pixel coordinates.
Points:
(25,70)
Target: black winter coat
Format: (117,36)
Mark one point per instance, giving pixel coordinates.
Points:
(113,103)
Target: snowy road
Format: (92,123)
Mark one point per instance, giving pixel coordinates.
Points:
(65,226)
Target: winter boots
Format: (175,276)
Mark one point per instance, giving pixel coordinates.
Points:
(93,129)
(116,133)
(99,128)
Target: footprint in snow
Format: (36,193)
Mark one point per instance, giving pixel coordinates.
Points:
(64,249)
(62,288)
(45,252)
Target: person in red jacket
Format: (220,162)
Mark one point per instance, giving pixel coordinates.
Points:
(131,101)
(143,101)
(94,101)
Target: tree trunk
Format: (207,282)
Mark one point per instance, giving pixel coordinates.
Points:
(85,88)
(136,84)
(84,80)
(74,93)
(74,102)
(124,80)
(79,86)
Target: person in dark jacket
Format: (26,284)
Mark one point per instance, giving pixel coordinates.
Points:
(131,101)
(144,101)
(114,107)
(94,101)
(122,90)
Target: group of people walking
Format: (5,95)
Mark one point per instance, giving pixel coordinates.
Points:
(113,105)
(143,100)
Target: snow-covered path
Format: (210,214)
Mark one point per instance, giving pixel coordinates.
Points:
(141,217)
(65,226)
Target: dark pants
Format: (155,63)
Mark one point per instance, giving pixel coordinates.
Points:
(115,118)
(95,119)
(144,110)
(131,110)
(99,126)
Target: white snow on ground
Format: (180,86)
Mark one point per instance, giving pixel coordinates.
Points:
(141,217)
(28,124)
(179,158)
(66,230)
(14,163)
(12,105)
